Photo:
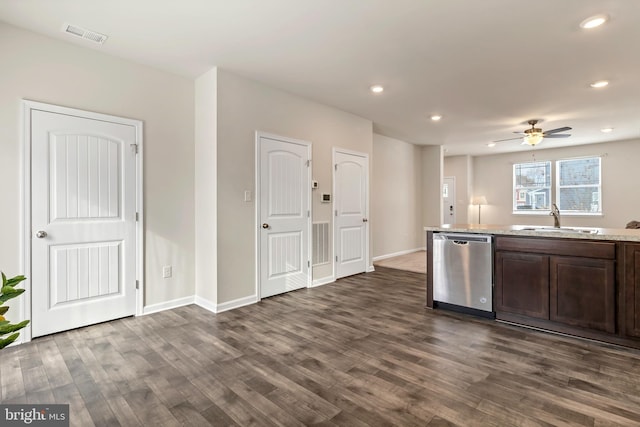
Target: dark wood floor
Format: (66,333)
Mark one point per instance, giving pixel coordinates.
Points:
(362,351)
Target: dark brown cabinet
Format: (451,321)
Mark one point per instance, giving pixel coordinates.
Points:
(631,294)
(522,284)
(556,283)
(582,292)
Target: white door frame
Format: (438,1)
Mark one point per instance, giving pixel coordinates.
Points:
(27,107)
(258,198)
(335,150)
(452,190)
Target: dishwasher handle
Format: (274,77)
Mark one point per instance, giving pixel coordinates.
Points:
(460,242)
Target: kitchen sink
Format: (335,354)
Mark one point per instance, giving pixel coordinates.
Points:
(562,230)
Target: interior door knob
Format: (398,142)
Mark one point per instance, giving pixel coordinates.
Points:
(265,225)
(41,234)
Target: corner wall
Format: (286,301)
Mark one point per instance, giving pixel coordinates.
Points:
(244,107)
(42,69)
(396,210)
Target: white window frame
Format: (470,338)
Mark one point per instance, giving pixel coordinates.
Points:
(515,199)
(558,187)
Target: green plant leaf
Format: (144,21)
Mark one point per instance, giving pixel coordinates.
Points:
(15,280)
(6,341)
(4,278)
(8,289)
(4,309)
(8,295)
(12,328)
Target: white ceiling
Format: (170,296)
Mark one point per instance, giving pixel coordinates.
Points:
(487,66)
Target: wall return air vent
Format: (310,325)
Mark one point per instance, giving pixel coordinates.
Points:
(83,33)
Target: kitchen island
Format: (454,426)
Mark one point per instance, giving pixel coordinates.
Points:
(579,281)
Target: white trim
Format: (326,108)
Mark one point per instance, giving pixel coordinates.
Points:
(322,281)
(395,254)
(205,303)
(258,198)
(370,269)
(27,107)
(168,305)
(333,205)
(236,303)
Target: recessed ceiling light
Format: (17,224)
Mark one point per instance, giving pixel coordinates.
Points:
(606,130)
(599,84)
(491,144)
(593,21)
(436,117)
(376,88)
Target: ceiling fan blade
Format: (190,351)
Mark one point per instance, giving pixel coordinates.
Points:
(547,132)
(557,135)
(508,139)
(521,133)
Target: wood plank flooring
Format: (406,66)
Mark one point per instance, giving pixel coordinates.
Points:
(362,351)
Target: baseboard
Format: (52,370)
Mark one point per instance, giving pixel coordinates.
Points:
(408,251)
(371,269)
(322,281)
(205,303)
(167,305)
(236,303)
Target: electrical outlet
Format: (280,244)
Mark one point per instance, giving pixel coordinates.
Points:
(166,271)
(247,195)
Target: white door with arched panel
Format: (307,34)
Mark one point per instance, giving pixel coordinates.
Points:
(83,220)
(351,222)
(284,215)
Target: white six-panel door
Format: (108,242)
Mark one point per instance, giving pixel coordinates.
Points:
(284,215)
(351,174)
(83,224)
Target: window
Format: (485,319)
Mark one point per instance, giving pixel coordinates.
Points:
(532,186)
(578,187)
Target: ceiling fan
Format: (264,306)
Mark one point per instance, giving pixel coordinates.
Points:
(534,135)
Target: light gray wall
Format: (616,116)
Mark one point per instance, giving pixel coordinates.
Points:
(46,70)
(244,107)
(206,186)
(493,177)
(462,168)
(396,210)
(432,167)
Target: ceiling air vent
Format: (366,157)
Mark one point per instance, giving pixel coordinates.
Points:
(76,31)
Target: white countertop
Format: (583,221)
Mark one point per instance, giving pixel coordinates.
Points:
(621,234)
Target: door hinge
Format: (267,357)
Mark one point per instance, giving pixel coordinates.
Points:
(137,217)
(336,212)
(308,214)
(335,167)
(308,263)
(336,258)
(308,163)
(137,284)
(134,147)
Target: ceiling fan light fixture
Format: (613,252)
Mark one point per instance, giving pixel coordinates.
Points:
(436,117)
(533,138)
(376,89)
(594,21)
(599,84)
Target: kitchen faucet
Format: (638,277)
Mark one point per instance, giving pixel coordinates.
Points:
(555,212)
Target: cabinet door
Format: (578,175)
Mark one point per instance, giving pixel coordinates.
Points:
(522,284)
(583,292)
(632,288)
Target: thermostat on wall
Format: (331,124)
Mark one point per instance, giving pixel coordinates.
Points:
(326,198)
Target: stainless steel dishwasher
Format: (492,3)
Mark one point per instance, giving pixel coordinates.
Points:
(462,272)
